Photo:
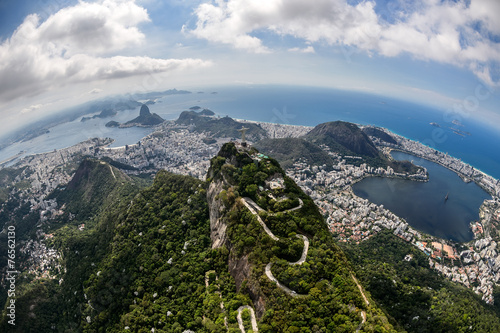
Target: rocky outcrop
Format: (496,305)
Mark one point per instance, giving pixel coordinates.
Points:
(146,118)
(218,224)
(219,206)
(240,270)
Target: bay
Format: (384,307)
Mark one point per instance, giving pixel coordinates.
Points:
(423,204)
(295,105)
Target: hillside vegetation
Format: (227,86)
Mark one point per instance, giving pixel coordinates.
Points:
(415,297)
(246,247)
(331,299)
(205,121)
(343,137)
(339,137)
(289,150)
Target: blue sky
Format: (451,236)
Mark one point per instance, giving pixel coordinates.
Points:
(54,54)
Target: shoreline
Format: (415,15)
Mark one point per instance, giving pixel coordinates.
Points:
(388,131)
(413,140)
(461,175)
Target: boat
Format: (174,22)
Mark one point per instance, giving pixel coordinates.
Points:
(446,197)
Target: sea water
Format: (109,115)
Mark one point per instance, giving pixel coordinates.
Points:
(296,106)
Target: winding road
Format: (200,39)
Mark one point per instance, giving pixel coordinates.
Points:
(252,318)
(255,209)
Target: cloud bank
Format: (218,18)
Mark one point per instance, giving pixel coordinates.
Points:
(78,44)
(461,33)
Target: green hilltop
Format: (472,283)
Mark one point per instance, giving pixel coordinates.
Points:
(289,150)
(206,121)
(339,137)
(246,247)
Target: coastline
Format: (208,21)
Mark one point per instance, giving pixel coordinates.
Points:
(461,175)
(439,161)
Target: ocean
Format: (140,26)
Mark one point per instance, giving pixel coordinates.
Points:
(312,106)
(296,106)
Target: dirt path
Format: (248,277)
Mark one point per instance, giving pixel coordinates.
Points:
(363,313)
(361,290)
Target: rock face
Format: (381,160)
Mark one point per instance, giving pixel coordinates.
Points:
(144,111)
(240,270)
(239,266)
(218,225)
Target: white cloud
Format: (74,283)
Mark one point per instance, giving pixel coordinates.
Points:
(78,44)
(308,49)
(95,91)
(451,32)
(32,108)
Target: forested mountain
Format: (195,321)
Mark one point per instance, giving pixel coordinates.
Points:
(344,137)
(339,137)
(281,253)
(245,247)
(289,150)
(205,121)
(415,297)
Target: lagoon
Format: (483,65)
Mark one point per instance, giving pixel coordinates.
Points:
(423,204)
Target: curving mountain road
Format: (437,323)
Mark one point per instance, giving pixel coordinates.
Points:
(254,209)
(304,251)
(252,318)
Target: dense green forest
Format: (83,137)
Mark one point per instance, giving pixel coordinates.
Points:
(415,297)
(144,261)
(332,301)
(289,150)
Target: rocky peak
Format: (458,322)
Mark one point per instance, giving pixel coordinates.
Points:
(144,110)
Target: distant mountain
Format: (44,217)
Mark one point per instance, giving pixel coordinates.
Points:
(146,118)
(114,104)
(205,121)
(104,114)
(112,123)
(289,150)
(375,132)
(343,137)
(159,94)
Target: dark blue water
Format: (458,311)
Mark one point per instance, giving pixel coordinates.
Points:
(423,205)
